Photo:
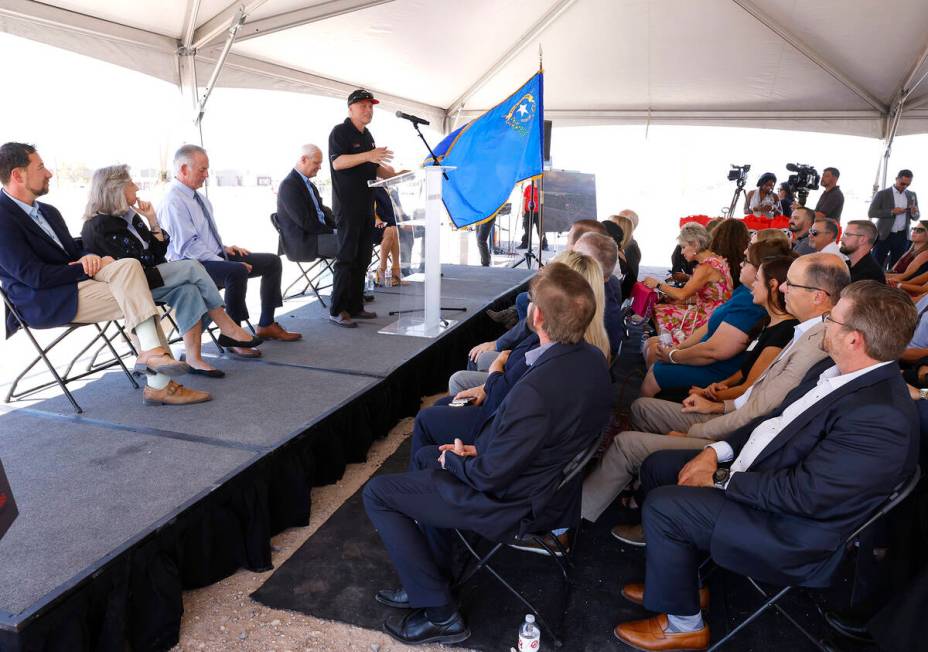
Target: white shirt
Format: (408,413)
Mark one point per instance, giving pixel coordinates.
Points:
(798,332)
(833,248)
(902,219)
(830,381)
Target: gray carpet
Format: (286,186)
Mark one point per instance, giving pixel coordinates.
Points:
(86,491)
(88,486)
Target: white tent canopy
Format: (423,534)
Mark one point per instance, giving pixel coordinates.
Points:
(840,66)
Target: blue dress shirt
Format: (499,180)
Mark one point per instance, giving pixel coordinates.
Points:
(312,195)
(187,217)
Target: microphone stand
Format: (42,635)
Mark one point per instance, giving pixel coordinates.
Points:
(429,147)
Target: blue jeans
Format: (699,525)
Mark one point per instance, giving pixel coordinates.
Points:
(189,290)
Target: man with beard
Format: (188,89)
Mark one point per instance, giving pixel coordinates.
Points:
(856,243)
(799,224)
(354,160)
(53,282)
(800,481)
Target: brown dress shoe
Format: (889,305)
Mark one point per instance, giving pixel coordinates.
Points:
(651,634)
(174,394)
(634,592)
(364,314)
(241,352)
(277,332)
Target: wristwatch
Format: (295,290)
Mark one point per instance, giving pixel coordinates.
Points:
(923,394)
(720,477)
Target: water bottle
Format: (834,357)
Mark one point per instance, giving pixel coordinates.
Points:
(665,337)
(369,286)
(529,635)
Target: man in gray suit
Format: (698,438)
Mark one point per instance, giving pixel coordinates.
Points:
(893,208)
(812,287)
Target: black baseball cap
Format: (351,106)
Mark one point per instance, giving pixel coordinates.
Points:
(360,95)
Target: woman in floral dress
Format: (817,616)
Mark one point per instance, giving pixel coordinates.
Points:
(683,310)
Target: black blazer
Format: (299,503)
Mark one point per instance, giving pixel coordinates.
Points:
(786,518)
(523,448)
(109,235)
(34,270)
(299,224)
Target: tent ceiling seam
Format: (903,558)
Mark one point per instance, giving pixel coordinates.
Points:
(811,55)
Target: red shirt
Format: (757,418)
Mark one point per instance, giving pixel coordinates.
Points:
(526,195)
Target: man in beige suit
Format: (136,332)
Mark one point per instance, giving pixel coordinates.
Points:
(812,286)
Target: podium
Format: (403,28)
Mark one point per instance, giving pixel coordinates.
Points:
(417,205)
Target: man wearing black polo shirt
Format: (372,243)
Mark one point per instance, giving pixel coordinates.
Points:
(831,202)
(354,160)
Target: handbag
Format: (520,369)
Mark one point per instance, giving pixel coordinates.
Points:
(8,511)
(643,300)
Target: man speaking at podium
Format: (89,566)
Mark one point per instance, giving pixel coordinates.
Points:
(354,160)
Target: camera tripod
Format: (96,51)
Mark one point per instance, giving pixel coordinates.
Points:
(739,188)
(529,255)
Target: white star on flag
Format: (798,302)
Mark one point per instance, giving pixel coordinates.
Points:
(523,110)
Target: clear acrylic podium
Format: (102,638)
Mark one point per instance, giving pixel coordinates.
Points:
(417,204)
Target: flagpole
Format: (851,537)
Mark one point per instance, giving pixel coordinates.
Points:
(541,180)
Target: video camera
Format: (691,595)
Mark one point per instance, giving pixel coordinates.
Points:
(805,179)
(739,173)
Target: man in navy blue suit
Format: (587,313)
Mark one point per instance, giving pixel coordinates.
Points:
(305,222)
(52,282)
(508,476)
(800,481)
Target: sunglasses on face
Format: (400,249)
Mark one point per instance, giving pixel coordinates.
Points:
(813,232)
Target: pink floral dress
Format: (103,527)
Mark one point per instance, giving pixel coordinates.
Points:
(682,319)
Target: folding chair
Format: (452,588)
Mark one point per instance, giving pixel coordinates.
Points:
(536,531)
(308,274)
(61,380)
(900,493)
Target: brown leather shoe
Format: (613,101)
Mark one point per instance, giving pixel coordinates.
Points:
(651,634)
(364,314)
(277,332)
(174,394)
(241,352)
(159,361)
(634,592)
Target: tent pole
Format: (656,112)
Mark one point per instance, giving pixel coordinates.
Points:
(211,84)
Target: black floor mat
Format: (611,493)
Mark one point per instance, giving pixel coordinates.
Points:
(336,573)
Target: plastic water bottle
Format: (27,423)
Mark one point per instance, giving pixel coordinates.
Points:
(529,635)
(665,337)
(369,286)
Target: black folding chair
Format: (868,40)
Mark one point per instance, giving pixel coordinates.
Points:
(62,380)
(536,531)
(900,493)
(310,275)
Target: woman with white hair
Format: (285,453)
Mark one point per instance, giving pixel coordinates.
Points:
(683,310)
(114,227)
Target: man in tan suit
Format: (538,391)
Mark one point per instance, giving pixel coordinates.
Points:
(812,286)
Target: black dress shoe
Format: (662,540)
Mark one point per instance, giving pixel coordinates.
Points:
(209,373)
(225,340)
(849,625)
(396,598)
(416,629)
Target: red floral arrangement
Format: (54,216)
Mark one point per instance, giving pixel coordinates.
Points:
(753,222)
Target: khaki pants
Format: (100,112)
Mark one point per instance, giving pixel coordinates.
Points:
(656,415)
(118,291)
(621,463)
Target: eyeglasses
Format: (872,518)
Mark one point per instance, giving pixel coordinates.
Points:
(805,287)
(826,316)
(813,232)
(848,234)
(919,229)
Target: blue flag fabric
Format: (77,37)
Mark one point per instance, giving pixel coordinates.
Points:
(492,154)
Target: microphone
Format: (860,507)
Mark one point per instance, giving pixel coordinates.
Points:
(416,120)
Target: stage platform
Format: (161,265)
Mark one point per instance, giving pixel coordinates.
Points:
(124,506)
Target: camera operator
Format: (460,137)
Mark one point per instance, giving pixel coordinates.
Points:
(893,208)
(831,201)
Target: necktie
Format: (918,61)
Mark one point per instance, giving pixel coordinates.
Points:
(210,223)
(319,212)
